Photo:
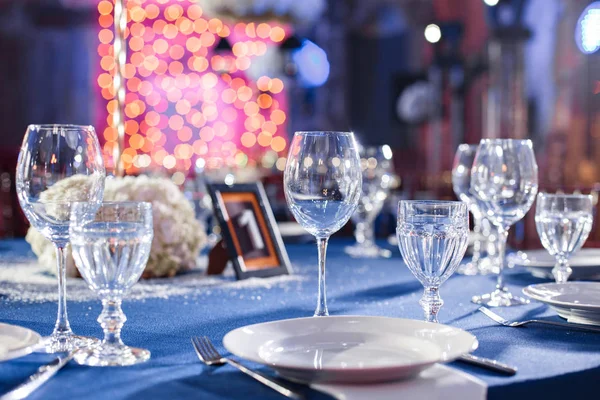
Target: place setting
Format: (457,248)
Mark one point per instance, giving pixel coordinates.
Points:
(244,199)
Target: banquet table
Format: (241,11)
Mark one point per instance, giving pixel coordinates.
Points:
(554,363)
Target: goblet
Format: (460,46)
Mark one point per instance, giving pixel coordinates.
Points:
(376,166)
(322,184)
(111,246)
(504,178)
(49,155)
(563,222)
(432,237)
(461,183)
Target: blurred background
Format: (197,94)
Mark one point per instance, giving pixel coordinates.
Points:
(214,89)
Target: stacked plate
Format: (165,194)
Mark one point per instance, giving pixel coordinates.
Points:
(577,302)
(349,349)
(585,263)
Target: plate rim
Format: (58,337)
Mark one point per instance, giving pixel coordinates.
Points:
(576,306)
(22,351)
(474,345)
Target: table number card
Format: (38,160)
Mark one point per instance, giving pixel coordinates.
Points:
(250,235)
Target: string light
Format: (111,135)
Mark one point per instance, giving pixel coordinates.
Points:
(184,102)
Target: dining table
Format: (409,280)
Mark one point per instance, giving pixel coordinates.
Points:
(552,362)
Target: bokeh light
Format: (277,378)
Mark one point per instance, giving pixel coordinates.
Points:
(186,103)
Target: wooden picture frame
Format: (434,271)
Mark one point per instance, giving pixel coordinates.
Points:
(249,230)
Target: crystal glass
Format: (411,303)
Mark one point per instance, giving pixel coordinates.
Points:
(504,178)
(563,222)
(322,183)
(432,237)
(59,164)
(376,166)
(111,246)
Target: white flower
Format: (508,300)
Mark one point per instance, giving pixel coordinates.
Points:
(178,236)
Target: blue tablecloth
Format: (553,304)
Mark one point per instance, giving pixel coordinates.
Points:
(553,363)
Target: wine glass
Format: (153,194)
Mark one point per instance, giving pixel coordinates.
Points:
(563,222)
(461,183)
(504,178)
(59,164)
(322,184)
(432,237)
(376,166)
(111,246)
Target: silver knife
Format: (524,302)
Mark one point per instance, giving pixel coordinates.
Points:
(36,380)
(487,363)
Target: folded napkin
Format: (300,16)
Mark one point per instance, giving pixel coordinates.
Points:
(438,382)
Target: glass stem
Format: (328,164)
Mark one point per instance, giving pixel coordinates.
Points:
(502,237)
(369,234)
(321,310)
(112,320)
(431,303)
(561,270)
(62,327)
(477,244)
(359,233)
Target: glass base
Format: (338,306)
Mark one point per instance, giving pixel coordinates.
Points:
(499,298)
(368,251)
(104,355)
(65,342)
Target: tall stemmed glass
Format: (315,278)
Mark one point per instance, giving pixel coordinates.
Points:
(504,177)
(563,222)
(322,183)
(50,155)
(432,237)
(376,166)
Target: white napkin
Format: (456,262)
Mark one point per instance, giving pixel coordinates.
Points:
(438,382)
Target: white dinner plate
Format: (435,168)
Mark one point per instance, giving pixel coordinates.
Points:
(578,302)
(585,263)
(349,349)
(16,341)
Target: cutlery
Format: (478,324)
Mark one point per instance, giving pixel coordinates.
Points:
(208,354)
(487,363)
(495,317)
(43,374)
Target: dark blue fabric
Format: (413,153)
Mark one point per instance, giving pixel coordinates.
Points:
(553,362)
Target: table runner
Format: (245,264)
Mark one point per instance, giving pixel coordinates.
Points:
(552,362)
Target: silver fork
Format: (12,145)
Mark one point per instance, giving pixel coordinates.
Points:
(208,354)
(492,315)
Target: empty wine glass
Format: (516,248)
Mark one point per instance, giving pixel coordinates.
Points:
(504,178)
(563,222)
(322,183)
(376,166)
(111,246)
(59,164)
(432,237)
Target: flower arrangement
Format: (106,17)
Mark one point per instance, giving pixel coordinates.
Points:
(178,236)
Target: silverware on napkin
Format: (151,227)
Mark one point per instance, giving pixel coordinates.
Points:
(208,354)
(495,317)
(36,380)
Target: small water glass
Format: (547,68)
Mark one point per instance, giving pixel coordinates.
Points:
(432,237)
(322,183)
(111,246)
(564,222)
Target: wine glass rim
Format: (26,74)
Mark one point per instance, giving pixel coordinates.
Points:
(497,140)
(565,195)
(64,127)
(324,133)
(433,202)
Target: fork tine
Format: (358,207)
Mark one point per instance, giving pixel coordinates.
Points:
(197,348)
(212,347)
(494,316)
